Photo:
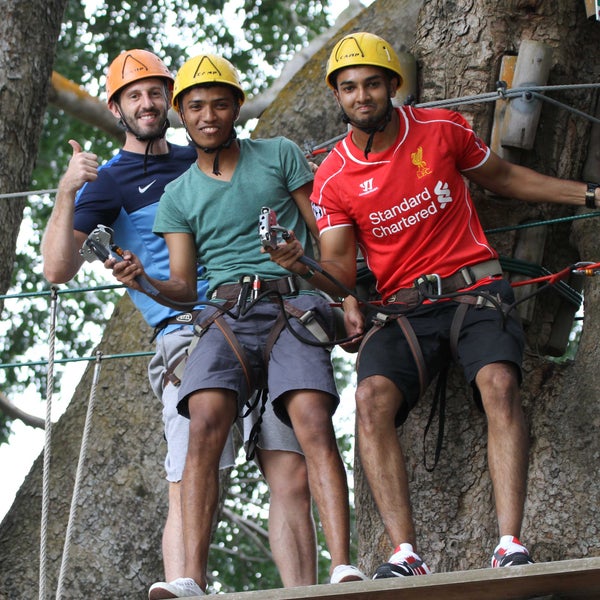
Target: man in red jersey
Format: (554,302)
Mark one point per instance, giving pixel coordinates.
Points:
(394,187)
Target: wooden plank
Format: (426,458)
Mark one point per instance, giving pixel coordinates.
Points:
(572,579)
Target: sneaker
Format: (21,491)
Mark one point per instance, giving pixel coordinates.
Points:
(510,552)
(403,563)
(346,573)
(184,587)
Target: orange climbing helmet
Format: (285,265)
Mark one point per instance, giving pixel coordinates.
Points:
(362,48)
(132,65)
(206,69)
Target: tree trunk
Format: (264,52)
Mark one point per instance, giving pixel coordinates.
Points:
(28,31)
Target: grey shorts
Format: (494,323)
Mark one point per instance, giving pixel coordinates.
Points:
(485,338)
(273,436)
(292,365)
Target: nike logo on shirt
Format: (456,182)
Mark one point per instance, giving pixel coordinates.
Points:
(141,189)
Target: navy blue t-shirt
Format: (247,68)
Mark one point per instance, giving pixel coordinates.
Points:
(125,198)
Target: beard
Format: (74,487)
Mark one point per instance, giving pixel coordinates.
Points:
(145,133)
(371,121)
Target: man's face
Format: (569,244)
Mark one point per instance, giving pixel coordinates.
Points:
(363,94)
(144,106)
(209,114)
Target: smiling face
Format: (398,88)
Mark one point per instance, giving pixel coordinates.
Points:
(364,93)
(209,113)
(142,106)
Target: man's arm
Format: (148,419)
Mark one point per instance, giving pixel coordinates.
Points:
(181,285)
(338,258)
(61,243)
(514,181)
(301,197)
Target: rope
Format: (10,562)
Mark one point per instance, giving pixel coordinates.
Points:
(30,193)
(39,363)
(47,439)
(79,474)
(501,93)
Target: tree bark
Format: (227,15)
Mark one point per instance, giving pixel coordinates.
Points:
(28,31)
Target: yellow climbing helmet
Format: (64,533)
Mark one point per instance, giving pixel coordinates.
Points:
(132,65)
(362,48)
(206,68)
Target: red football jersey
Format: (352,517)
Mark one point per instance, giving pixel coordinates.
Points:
(410,205)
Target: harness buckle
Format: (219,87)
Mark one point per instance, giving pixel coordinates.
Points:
(429,285)
(291,280)
(255,287)
(380,319)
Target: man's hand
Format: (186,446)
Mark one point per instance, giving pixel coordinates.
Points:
(288,255)
(128,270)
(354,323)
(83,167)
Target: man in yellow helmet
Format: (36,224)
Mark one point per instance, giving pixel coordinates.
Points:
(123,194)
(394,187)
(209,215)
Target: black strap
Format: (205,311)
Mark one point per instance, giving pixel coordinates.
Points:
(439,399)
(254,437)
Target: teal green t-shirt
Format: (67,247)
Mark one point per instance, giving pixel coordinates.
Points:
(223,216)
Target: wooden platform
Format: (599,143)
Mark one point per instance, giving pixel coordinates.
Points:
(570,579)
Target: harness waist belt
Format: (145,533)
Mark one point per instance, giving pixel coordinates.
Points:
(463,278)
(182,318)
(286,286)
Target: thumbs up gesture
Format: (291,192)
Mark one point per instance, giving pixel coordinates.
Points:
(83,167)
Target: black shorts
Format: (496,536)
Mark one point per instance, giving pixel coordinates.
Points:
(485,337)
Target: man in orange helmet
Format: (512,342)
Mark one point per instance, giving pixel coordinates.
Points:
(124,194)
(394,187)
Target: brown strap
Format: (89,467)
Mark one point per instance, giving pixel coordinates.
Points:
(413,344)
(456,326)
(415,348)
(237,349)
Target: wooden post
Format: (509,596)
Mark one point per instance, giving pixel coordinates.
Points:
(530,248)
(506,75)
(591,9)
(523,112)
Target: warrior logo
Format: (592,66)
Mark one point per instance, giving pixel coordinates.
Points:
(367,187)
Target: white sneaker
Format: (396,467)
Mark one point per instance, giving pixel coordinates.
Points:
(403,563)
(183,587)
(346,573)
(510,552)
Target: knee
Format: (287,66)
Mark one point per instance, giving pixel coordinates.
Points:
(377,403)
(208,433)
(310,415)
(293,488)
(499,388)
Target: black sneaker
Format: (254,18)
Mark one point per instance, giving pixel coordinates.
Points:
(403,563)
(510,552)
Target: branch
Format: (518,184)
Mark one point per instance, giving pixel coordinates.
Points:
(66,95)
(13,412)
(253,108)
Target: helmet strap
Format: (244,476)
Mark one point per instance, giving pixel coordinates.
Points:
(372,131)
(217,150)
